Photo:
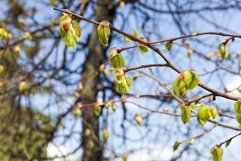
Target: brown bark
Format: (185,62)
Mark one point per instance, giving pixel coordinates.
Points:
(95,57)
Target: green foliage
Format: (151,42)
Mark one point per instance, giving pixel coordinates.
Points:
(203,114)
(23,86)
(134,33)
(124,157)
(169,45)
(213,112)
(25,136)
(191,79)
(179,87)
(97,109)
(87,132)
(223,51)
(143,48)
(113,107)
(3,33)
(104,32)
(177,144)
(69,30)
(105,134)
(76,110)
(185,113)
(52,2)
(217,153)
(189,52)
(90,144)
(237,110)
(123,83)
(27,36)
(116,58)
(187,80)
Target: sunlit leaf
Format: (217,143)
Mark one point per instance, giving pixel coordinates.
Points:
(123,84)
(69,30)
(97,110)
(217,153)
(116,58)
(169,45)
(179,87)
(203,114)
(104,32)
(213,112)
(190,78)
(185,113)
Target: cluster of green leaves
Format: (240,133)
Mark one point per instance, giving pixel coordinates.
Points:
(69,30)
(122,81)
(4,34)
(187,80)
(203,114)
(237,110)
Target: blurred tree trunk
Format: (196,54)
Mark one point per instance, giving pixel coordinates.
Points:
(90,80)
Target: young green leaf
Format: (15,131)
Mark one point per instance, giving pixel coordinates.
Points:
(179,87)
(213,112)
(27,36)
(3,33)
(217,153)
(237,107)
(104,32)
(134,33)
(169,45)
(189,52)
(87,132)
(238,118)
(190,78)
(124,157)
(23,86)
(90,144)
(69,30)
(52,2)
(97,110)
(116,58)
(113,107)
(76,110)
(223,51)
(185,113)
(123,84)
(143,48)
(105,134)
(177,144)
(203,114)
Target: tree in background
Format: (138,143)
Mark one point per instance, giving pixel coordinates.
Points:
(177,89)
